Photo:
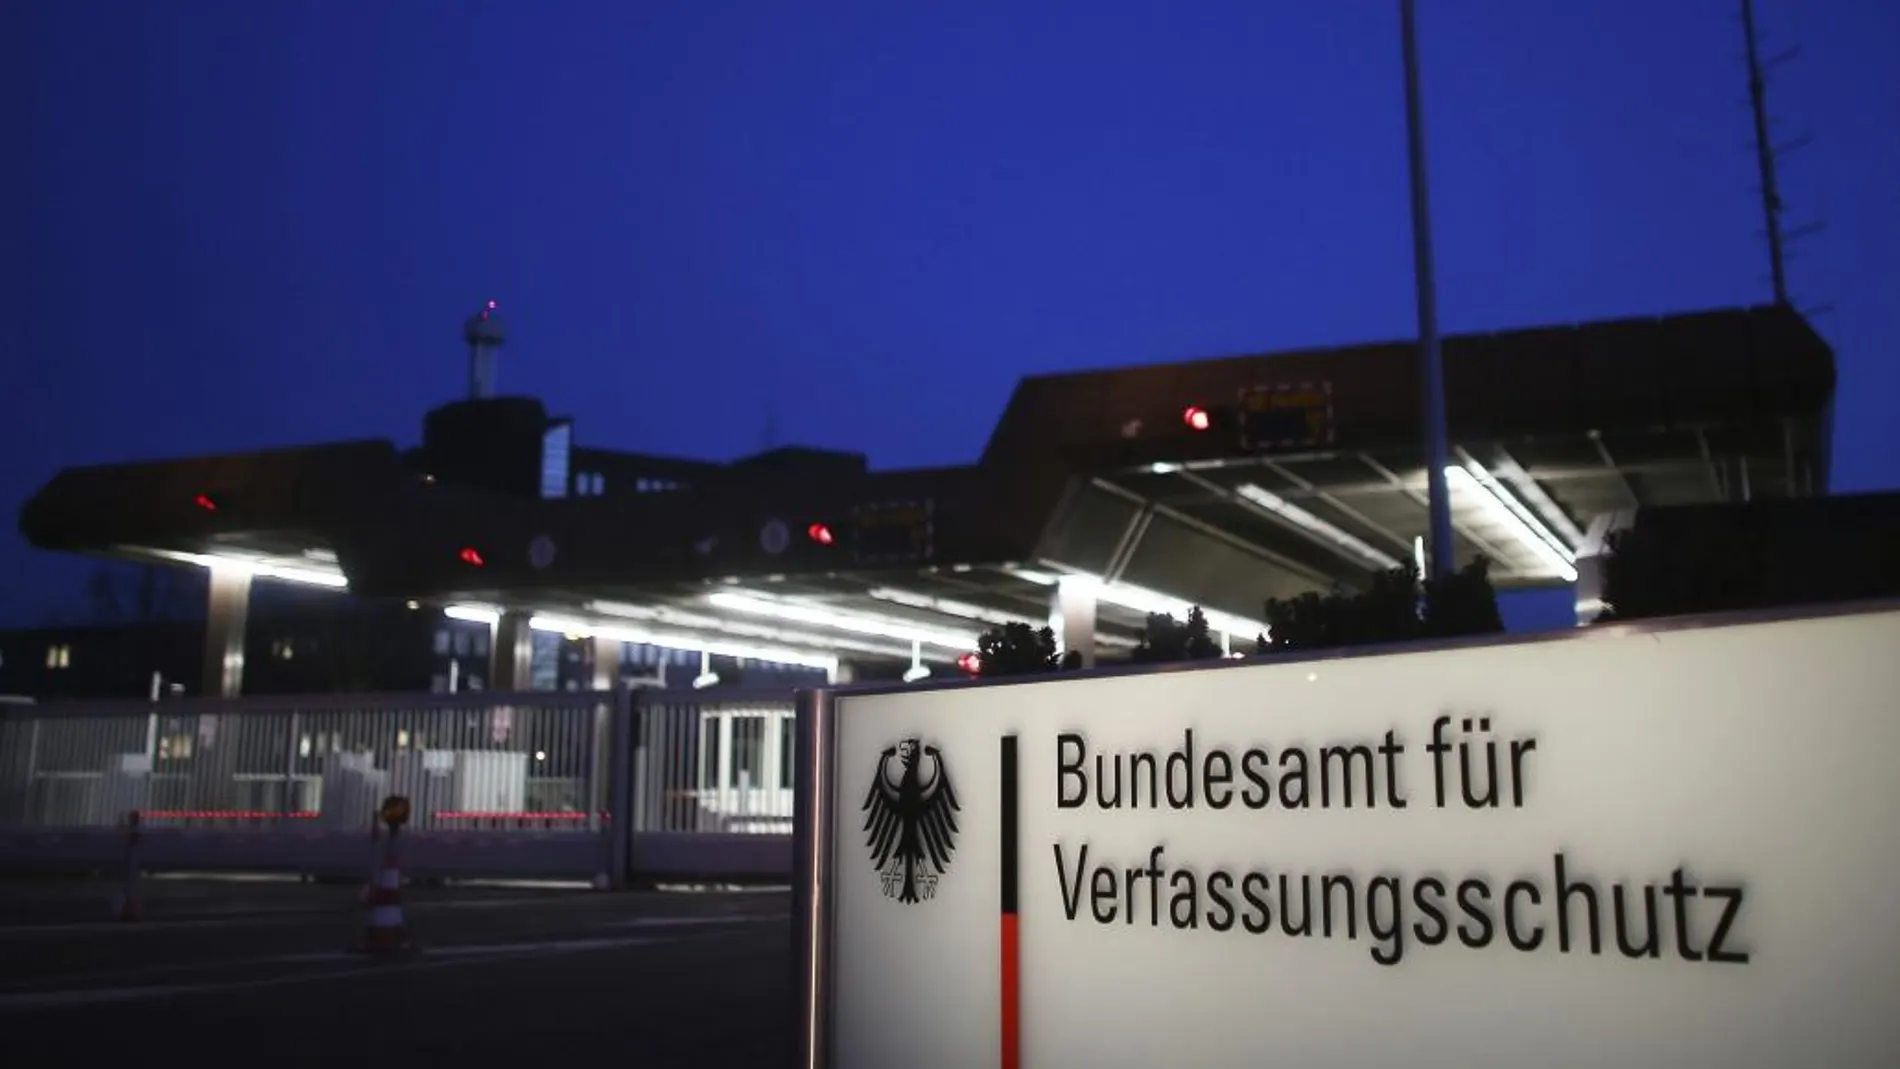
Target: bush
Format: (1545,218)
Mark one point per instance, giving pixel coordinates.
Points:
(1164,639)
(1018,649)
(1674,572)
(1393,609)
(1015,650)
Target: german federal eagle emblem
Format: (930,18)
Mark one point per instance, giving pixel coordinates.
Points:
(910,820)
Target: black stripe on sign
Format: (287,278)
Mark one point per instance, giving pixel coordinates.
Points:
(1008,865)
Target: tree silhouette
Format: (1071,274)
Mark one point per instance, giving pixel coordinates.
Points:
(1736,559)
(1016,649)
(1165,639)
(1395,608)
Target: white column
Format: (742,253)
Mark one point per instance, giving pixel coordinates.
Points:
(605,656)
(1593,559)
(225,619)
(1072,615)
(511,653)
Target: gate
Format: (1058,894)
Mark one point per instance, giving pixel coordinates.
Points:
(582,785)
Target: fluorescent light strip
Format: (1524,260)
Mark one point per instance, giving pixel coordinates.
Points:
(1141,599)
(671,617)
(564,625)
(1525,489)
(1512,514)
(304,573)
(968,611)
(474,614)
(948,607)
(875,626)
(1519,509)
(488,614)
(1328,532)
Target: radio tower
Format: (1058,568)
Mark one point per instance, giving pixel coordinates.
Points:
(484,335)
(1768,156)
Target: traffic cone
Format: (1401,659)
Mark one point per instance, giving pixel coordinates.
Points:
(368,887)
(385,932)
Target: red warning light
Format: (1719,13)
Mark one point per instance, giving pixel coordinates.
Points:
(820,534)
(470,557)
(1197,418)
(205,502)
(970,664)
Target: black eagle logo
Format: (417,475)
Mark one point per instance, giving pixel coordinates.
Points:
(910,820)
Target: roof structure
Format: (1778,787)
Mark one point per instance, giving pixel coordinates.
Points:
(1218,482)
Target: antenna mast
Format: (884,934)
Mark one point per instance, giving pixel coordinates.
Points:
(1768,155)
(484,333)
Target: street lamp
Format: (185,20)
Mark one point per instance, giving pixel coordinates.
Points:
(1431,360)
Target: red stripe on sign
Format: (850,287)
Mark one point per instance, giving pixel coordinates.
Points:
(1012,996)
(1008,866)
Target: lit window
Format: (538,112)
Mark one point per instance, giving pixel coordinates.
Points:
(60,656)
(556,446)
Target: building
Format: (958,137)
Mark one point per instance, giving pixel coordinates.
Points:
(1101,497)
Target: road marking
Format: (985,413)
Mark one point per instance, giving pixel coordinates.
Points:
(684,922)
(234,919)
(274,916)
(429,959)
(321,957)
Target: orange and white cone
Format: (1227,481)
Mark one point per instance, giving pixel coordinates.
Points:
(368,888)
(385,932)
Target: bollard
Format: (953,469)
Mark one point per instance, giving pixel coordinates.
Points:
(127,907)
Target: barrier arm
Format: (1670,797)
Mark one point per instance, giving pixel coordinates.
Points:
(814,801)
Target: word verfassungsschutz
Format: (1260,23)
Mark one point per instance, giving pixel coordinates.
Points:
(1677,916)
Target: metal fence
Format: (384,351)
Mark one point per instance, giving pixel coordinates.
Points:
(499,784)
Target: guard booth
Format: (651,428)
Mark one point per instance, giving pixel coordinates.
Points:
(714,761)
(745,772)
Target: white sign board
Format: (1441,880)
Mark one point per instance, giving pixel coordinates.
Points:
(1658,848)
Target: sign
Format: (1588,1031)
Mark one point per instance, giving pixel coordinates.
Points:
(1598,849)
(892,532)
(1296,416)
